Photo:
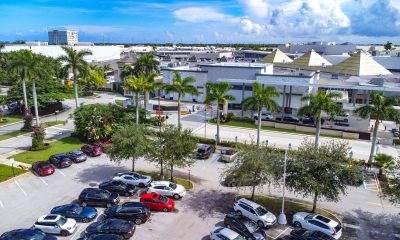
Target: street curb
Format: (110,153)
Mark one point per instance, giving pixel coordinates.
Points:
(16,177)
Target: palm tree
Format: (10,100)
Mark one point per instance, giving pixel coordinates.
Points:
(139,85)
(181,87)
(384,162)
(74,61)
(321,102)
(147,65)
(261,98)
(18,64)
(380,109)
(126,70)
(218,92)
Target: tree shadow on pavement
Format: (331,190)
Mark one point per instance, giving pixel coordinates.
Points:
(364,225)
(210,203)
(98,173)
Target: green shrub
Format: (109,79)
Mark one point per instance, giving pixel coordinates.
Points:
(38,136)
(396,141)
(28,118)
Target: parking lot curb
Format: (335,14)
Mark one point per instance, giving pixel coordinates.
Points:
(28,172)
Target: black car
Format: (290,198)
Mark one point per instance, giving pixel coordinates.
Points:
(77,156)
(112,226)
(26,234)
(103,237)
(131,211)
(244,226)
(291,119)
(118,187)
(304,234)
(60,160)
(308,120)
(205,151)
(98,197)
(80,214)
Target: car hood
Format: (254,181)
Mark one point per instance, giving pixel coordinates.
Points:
(88,212)
(179,188)
(69,224)
(269,217)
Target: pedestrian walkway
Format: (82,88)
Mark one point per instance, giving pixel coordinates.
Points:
(371,182)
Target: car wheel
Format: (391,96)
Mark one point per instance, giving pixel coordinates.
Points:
(84,204)
(165,209)
(260,224)
(297,224)
(176,196)
(109,205)
(142,185)
(86,220)
(138,221)
(239,212)
(64,233)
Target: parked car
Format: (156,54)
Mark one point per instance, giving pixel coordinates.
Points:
(98,197)
(255,212)
(103,237)
(205,151)
(131,211)
(221,233)
(119,187)
(308,120)
(43,168)
(317,222)
(120,227)
(60,160)
(157,202)
(341,118)
(228,154)
(105,145)
(92,150)
(244,226)
(77,156)
(134,179)
(55,224)
(167,188)
(304,234)
(26,234)
(292,119)
(74,211)
(264,116)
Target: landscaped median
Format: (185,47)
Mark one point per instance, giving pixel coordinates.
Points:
(8,119)
(19,132)
(156,177)
(6,172)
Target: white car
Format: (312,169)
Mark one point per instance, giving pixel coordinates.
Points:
(264,116)
(134,179)
(221,233)
(255,212)
(167,188)
(55,224)
(228,154)
(317,222)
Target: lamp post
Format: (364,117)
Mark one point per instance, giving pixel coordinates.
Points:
(205,121)
(56,113)
(12,165)
(216,139)
(282,217)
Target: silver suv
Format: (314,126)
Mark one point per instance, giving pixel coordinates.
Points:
(255,212)
(317,222)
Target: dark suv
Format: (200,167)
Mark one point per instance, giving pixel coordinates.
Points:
(304,234)
(60,160)
(205,151)
(292,119)
(244,226)
(98,197)
(118,187)
(131,211)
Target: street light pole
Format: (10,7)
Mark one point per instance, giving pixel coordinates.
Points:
(282,217)
(205,121)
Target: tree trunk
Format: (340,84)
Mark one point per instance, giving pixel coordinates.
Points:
(25,97)
(76,88)
(179,111)
(314,208)
(133,164)
(259,127)
(35,103)
(137,108)
(317,131)
(373,146)
(253,192)
(171,178)
(218,121)
(146,99)
(162,170)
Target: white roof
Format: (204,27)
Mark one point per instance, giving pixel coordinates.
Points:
(165,183)
(50,218)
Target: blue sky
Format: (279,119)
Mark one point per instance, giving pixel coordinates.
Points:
(206,21)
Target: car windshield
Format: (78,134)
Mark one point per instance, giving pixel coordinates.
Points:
(239,237)
(77,209)
(45,165)
(61,221)
(105,194)
(251,226)
(33,235)
(201,150)
(309,216)
(119,209)
(163,199)
(261,211)
(173,186)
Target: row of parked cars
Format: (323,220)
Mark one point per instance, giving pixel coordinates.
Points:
(341,118)
(248,220)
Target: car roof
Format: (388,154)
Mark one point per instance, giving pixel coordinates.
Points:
(105,237)
(76,152)
(204,146)
(92,190)
(164,183)
(49,218)
(41,163)
(150,195)
(248,202)
(326,220)
(228,233)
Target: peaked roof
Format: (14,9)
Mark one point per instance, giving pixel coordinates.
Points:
(309,59)
(360,64)
(276,56)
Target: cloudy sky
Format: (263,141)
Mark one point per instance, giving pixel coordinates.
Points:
(205,21)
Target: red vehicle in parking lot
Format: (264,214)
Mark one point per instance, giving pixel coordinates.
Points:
(92,150)
(43,168)
(105,145)
(157,202)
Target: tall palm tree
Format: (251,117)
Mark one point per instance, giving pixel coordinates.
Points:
(138,85)
(323,101)
(147,65)
(380,109)
(181,87)
(261,98)
(74,61)
(126,70)
(218,92)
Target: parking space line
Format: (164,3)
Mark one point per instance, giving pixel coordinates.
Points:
(90,160)
(60,172)
(44,182)
(77,166)
(76,232)
(282,232)
(20,187)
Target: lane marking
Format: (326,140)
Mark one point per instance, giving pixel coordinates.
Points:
(76,232)
(282,232)
(379,204)
(45,183)
(351,226)
(143,228)
(1,204)
(60,172)
(20,187)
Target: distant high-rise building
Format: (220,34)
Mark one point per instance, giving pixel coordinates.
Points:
(63,37)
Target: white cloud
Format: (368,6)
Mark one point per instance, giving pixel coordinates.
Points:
(256,8)
(251,28)
(200,14)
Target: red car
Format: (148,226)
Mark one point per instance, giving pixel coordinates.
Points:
(158,202)
(104,145)
(43,168)
(92,150)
